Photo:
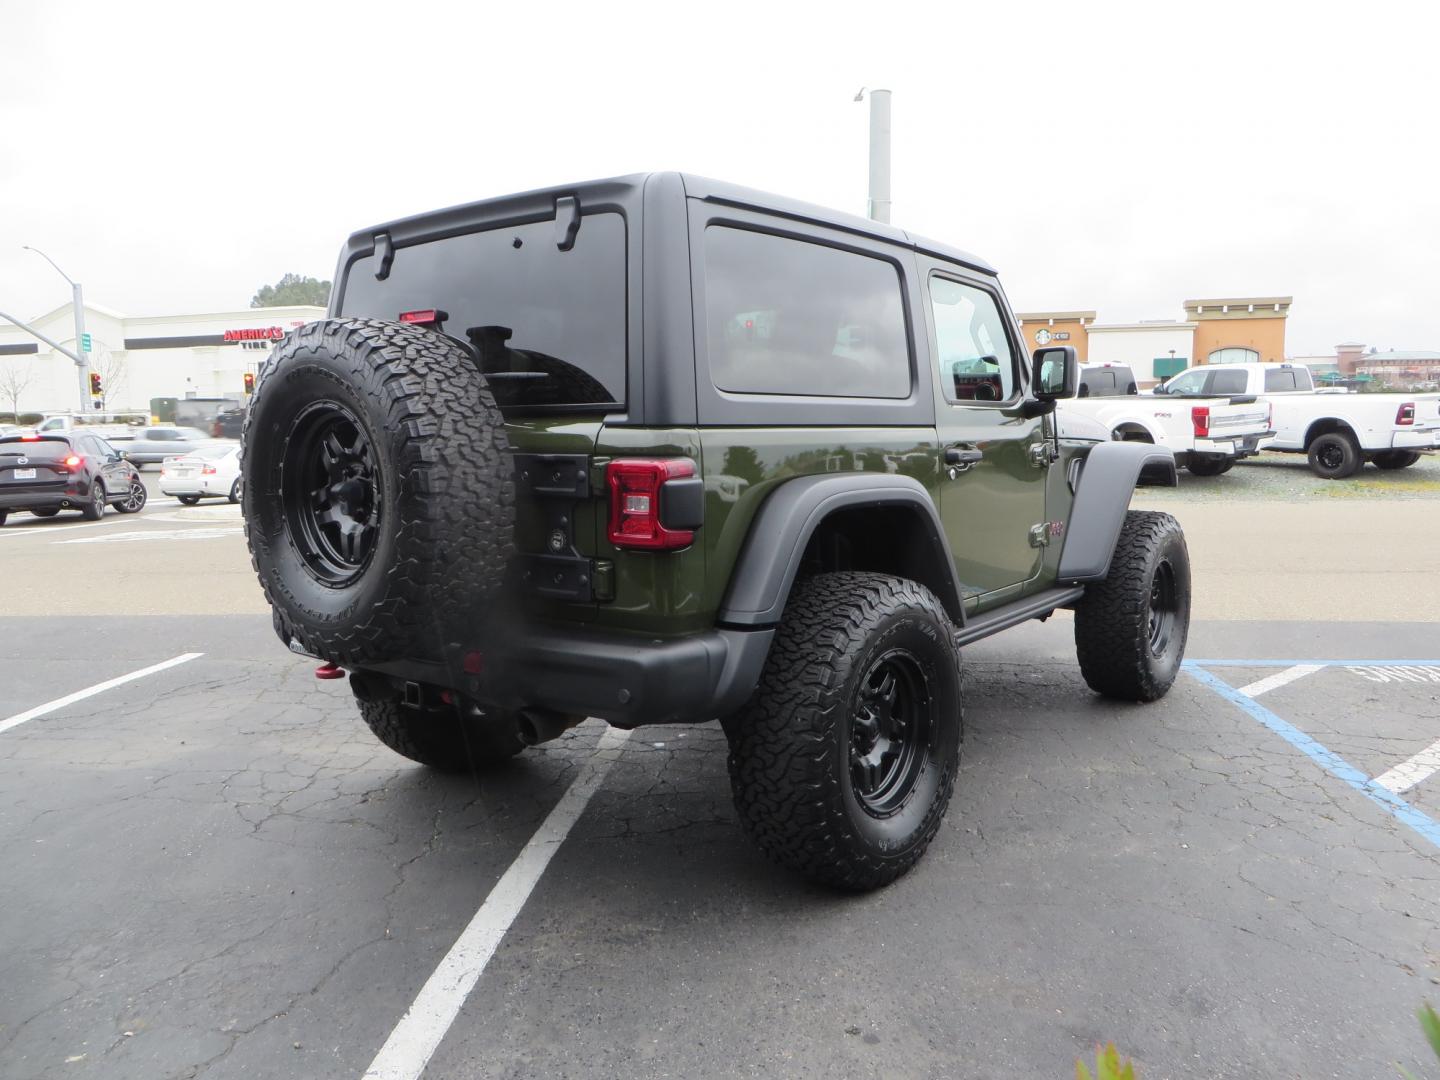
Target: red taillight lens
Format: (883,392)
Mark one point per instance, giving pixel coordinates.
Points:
(207,470)
(635,485)
(423,317)
(73,461)
(1200,421)
(1405,414)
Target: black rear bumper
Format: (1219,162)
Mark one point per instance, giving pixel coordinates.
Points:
(626,679)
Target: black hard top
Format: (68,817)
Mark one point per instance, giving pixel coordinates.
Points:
(626,188)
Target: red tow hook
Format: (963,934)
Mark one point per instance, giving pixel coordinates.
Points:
(329,671)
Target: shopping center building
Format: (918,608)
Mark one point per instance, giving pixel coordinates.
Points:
(1229,330)
(142,358)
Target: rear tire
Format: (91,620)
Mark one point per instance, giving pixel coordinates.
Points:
(48,512)
(1395,459)
(235,491)
(3,515)
(843,762)
(1131,628)
(94,510)
(1334,455)
(378,491)
(1209,466)
(447,738)
(188,500)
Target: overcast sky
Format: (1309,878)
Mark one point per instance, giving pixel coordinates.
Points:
(174,157)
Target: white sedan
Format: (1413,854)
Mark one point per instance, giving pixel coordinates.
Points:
(208,471)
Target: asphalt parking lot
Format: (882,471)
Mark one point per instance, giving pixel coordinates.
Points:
(213,870)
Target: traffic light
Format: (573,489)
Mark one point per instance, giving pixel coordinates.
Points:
(249,383)
(95,384)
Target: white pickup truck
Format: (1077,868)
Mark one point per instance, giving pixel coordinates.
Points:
(1207,437)
(1337,431)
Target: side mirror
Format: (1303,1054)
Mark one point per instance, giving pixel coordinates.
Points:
(1160,389)
(1055,371)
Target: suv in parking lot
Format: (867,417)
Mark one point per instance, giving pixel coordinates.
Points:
(660,449)
(45,474)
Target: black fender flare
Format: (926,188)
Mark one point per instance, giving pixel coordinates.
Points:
(770,557)
(1109,474)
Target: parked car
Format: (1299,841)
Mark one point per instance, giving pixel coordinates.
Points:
(211,471)
(45,474)
(1207,438)
(227,424)
(152,445)
(1337,432)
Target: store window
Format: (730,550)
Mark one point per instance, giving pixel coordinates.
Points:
(1234,356)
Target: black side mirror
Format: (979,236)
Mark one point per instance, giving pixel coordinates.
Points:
(1160,389)
(1055,371)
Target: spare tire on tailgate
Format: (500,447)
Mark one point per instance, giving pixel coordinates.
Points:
(378,491)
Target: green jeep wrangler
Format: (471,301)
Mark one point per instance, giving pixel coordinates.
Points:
(660,449)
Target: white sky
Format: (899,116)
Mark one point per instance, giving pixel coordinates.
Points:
(174,157)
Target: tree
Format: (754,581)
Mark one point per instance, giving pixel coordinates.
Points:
(292,289)
(15,378)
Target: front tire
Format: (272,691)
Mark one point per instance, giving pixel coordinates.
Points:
(1131,628)
(1395,459)
(134,502)
(843,762)
(235,491)
(448,738)
(1334,455)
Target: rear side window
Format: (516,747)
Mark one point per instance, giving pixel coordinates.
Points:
(1280,380)
(785,316)
(549,325)
(1228,382)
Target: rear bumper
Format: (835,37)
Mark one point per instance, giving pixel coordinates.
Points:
(1419,439)
(1234,446)
(626,679)
(42,500)
(195,485)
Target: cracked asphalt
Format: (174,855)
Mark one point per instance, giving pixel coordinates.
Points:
(215,871)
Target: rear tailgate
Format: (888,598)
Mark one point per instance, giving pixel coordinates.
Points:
(1238,417)
(1423,430)
(34,466)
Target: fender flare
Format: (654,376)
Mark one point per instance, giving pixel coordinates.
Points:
(770,557)
(1109,474)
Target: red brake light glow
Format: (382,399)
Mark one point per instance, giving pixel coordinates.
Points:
(207,470)
(1405,415)
(73,460)
(423,316)
(1200,421)
(635,485)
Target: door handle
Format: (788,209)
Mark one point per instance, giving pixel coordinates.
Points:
(966,456)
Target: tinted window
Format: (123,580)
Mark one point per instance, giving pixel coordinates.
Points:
(788,317)
(39,450)
(1280,380)
(1188,382)
(549,325)
(973,351)
(1228,382)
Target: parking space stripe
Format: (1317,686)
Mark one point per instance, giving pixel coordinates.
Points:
(416,1038)
(1409,773)
(1279,679)
(1327,759)
(90,691)
(1320,663)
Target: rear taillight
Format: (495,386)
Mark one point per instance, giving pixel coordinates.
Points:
(424,317)
(1200,421)
(1405,415)
(207,470)
(73,461)
(635,490)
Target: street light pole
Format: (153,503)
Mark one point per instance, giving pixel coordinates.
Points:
(879,209)
(77,297)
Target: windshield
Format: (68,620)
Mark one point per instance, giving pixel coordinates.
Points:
(547,325)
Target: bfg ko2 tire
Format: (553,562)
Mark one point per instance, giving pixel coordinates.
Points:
(843,761)
(1131,628)
(377,490)
(1334,455)
(451,738)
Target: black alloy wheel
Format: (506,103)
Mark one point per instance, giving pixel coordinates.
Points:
(134,500)
(890,731)
(330,488)
(94,510)
(1164,607)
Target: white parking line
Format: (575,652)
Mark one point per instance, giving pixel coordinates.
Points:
(418,1035)
(90,691)
(46,530)
(1279,679)
(1409,773)
(194,533)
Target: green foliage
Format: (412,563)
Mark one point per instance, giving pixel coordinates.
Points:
(292,289)
(1430,1024)
(1108,1066)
